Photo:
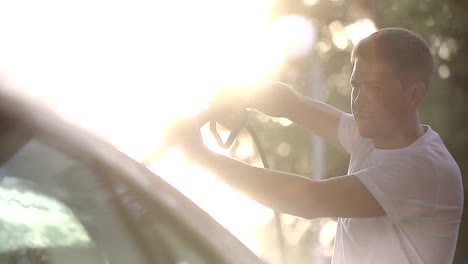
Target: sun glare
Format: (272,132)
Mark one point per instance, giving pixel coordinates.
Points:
(124,69)
(134,65)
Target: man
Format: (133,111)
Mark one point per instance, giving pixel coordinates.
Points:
(402,199)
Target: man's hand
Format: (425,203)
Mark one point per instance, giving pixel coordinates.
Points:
(185,133)
(228,107)
(274,99)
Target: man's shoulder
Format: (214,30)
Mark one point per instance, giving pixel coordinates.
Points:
(431,161)
(433,150)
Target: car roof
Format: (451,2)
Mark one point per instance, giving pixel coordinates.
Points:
(70,136)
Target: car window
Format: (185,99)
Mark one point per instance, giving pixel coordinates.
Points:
(55,209)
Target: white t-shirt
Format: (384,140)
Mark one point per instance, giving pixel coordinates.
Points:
(421,191)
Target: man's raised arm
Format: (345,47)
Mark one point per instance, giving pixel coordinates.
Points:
(278,99)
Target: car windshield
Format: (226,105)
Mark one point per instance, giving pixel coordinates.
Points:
(54,207)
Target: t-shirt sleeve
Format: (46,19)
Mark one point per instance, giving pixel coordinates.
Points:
(404,186)
(347,132)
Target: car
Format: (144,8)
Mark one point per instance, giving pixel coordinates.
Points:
(68,196)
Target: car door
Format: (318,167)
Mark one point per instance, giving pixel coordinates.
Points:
(68,197)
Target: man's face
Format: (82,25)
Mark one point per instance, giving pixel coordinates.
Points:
(378,100)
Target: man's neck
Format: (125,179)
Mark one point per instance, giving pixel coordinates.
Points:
(400,136)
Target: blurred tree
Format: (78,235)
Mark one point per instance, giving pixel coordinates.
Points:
(443,24)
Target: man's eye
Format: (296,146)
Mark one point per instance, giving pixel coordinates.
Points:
(370,87)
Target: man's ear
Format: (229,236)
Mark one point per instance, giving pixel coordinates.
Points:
(417,92)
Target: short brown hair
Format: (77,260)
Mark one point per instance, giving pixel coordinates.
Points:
(406,52)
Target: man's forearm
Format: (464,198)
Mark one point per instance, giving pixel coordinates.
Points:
(284,192)
(317,117)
